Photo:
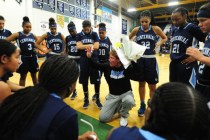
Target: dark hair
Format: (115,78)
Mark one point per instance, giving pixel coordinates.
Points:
(183,11)
(178,111)
(86,23)
(51,22)
(6,48)
(1,18)
(25,20)
(56,75)
(205,6)
(71,24)
(147,13)
(102,25)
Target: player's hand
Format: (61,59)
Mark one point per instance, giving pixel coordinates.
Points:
(188,60)
(48,50)
(195,53)
(89,52)
(63,53)
(87,136)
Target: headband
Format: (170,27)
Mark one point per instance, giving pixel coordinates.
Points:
(203,14)
(53,25)
(102,29)
(72,28)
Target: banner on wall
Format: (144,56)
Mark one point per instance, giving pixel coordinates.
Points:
(44,26)
(51,4)
(60,6)
(83,14)
(84,3)
(78,12)
(60,20)
(72,10)
(106,14)
(78,3)
(124,26)
(39,3)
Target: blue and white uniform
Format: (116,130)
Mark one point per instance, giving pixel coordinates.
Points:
(147,64)
(182,38)
(29,60)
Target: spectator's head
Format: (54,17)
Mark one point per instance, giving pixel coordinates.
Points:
(177,111)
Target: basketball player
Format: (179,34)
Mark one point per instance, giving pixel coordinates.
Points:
(9,62)
(182,67)
(88,38)
(4,33)
(203,81)
(146,36)
(71,47)
(104,47)
(55,40)
(29,60)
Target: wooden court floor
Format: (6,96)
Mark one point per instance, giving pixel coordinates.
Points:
(93,111)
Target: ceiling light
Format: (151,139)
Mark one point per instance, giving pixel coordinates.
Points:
(131,9)
(173,3)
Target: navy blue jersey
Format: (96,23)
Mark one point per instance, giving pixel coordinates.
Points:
(71,45)
(204,70)
(4,33)
(26,44)
(86,39)
(147,39)
(54,42)
(182,38)
(104,49)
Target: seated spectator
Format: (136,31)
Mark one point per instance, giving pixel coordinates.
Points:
(39,113)
(175,112)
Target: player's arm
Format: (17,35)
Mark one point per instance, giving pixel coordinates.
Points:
(39,46)
(64,43)
(12,37)
(133,33)
(14,86)
(80,46)
(161,34)
(196,54)
(5,91)
(39,41)
(97,65)
(96,45)
(198,34)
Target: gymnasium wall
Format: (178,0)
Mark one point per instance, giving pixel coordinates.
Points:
(13,13)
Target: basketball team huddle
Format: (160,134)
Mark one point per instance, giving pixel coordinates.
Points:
(89,55)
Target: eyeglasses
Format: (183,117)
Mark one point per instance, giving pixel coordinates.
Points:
(101,33)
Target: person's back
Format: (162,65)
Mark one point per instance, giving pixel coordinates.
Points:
(175,112)
(39,112)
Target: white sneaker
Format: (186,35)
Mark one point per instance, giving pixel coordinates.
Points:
(123,121)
